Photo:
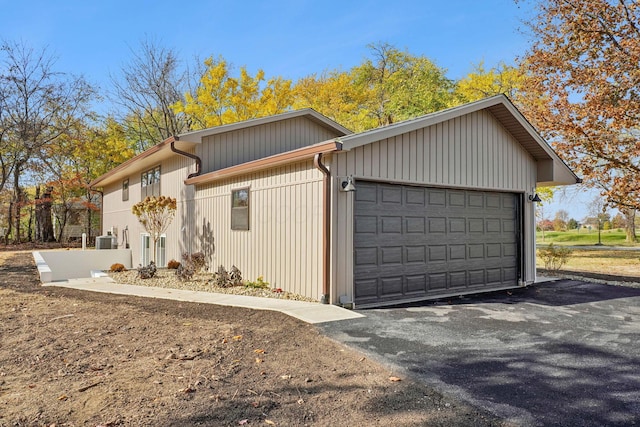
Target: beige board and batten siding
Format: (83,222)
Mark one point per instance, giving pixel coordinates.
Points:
(284,240)
(239,146)
(472,151)
(117,213)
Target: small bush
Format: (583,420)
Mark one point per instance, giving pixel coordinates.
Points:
(554,257)
(117,267)
(235,276)
(185,271)
(147,272)
(221,277)
(258,284)
(173,265)
(199,261)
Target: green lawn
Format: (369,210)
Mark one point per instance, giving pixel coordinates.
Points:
(584,237)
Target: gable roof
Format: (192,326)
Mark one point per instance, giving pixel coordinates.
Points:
(188,140)
(551,169)
(309,113)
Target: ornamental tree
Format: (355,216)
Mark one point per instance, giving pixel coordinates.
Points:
(155,214)
(582,90)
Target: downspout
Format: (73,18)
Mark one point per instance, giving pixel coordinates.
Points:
(189,155)
(326,229)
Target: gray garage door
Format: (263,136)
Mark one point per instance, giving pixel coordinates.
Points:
(413,243)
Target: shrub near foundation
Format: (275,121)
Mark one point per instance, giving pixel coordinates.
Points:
(116,267)
(554,257)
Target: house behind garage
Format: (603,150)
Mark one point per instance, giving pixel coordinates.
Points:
(441,203)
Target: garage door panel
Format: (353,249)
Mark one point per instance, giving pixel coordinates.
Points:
(366,257)
(437,225)
(391,194)
(367,224)
(391,286)
(416,283)
(415,197)
(456,199)
(457,225)
(436,197)
(412,242)
(415,225)
(367,193)
(457,279)
(494,250)
(437,253)
(391,224)
(391,255)
(457,252)
(415,254)
(476,200)
(437,282)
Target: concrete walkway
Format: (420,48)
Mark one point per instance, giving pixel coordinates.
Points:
(306,311)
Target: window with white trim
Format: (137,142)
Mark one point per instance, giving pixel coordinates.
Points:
(145,250)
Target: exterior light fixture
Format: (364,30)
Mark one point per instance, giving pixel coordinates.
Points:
(348,185)
(535,198)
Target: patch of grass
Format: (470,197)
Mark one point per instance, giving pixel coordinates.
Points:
(626,263)
(584,238)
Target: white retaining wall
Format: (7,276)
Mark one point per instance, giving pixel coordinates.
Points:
(61,265)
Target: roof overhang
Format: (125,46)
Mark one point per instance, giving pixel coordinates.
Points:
(288,157)
(145,160)
(551,169)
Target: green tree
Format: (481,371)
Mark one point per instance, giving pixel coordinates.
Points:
(78,156)
(482,83)
(335,95)
(400,86)
(221,98)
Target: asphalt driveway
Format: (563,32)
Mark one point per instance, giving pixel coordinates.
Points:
(563,353)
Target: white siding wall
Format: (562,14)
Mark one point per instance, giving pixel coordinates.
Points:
(284,240)
(473,151)
(240,146)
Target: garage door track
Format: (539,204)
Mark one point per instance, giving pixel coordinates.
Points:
(559,353)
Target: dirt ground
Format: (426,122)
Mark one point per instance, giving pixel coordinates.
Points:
(74,358)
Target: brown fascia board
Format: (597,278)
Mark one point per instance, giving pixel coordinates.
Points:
(129,164)
(293,156)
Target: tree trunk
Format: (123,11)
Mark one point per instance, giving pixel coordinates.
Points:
(38,227)
(17,204)
(630,225)
(47,222)
(9,224)
(30,224)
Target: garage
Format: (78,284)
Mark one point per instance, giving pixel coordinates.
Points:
(413,243)
(438,206)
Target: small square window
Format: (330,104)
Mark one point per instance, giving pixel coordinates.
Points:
(125,190)
(240,209)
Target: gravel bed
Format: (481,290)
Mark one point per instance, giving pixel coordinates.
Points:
(585,278)
(165,278)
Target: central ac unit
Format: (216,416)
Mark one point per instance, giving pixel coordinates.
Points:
(106,242)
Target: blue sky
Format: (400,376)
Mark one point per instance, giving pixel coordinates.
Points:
(292,38)
(288,38)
